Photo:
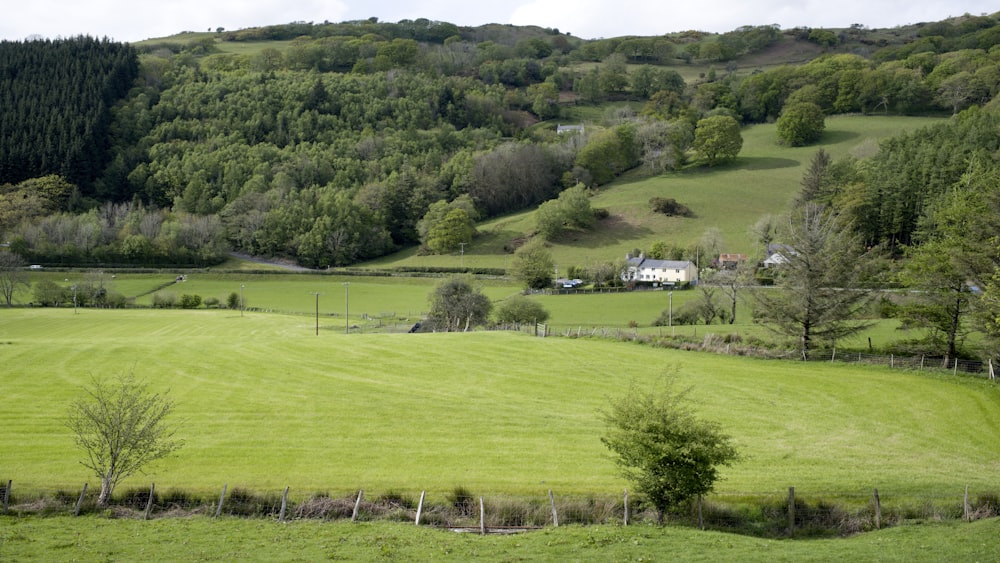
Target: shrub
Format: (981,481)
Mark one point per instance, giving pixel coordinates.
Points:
(669,206)
(211,302)
(189,301)
(164,300)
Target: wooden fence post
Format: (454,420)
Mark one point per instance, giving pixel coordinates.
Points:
(6,494)
(149,501)
(284,505)
(482,517)
(79,501)
(626,507)
(878,510)
(791,511)
(965,505)
(701,520)
(420,507)
(222,498)
(357,505)
(555,516)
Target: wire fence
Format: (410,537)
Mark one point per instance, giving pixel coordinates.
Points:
(775,514)
(734,345)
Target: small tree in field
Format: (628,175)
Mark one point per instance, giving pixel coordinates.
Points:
(121,427)
(670,455)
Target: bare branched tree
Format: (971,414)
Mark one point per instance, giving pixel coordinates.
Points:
(12,275)
(121,427)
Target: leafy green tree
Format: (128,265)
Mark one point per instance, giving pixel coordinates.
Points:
(457,305)
(122,427)
(820,295)
(519,309)
(449,233)
(533,265)
(801,124)
(660,445)
(718,139)
(571,210)
(608,153)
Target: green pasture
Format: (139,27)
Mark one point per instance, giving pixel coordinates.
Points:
(266,403)
(396,302)
(203,539)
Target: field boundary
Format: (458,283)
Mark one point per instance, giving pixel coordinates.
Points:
(778,514)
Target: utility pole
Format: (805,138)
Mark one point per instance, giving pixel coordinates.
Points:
(241,298)
(462,253)
(316,293)
(347,307)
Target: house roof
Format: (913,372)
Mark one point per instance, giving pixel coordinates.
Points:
(662,264)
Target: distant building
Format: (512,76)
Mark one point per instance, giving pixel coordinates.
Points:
(731,261)
(560,129)
(778,254)
(659,272)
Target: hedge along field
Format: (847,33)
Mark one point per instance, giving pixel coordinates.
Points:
(264,403)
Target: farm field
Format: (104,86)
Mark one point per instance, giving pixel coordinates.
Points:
(265,403)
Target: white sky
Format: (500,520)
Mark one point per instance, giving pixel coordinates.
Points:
(135,20)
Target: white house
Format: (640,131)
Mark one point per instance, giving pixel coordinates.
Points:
(661,272)
(560,129)
(777,254)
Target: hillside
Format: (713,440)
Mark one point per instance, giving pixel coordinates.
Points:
(329,143)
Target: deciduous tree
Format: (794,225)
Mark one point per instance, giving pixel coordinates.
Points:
(12,275)
(121,426)
(457,305)
(718,139)
(801,124)
(660,445)
(533,265)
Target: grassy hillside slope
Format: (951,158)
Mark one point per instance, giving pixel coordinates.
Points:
(762,180)
(265,403)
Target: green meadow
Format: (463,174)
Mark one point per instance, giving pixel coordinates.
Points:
(266,403)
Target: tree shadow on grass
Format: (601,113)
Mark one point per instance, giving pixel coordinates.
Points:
(833,137)
(763,163)
(607,232)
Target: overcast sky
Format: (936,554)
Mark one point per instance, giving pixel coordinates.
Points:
(135,20)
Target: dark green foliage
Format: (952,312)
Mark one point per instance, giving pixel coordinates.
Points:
(801,124)
(189,301)
(891,192)
(57,98)
(669,206)
(456,305)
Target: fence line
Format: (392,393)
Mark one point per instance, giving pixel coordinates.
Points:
(796,512)
(725,344)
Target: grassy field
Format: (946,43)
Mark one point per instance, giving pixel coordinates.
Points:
(395,303)
(201,539)
(265,403)
(731,198)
